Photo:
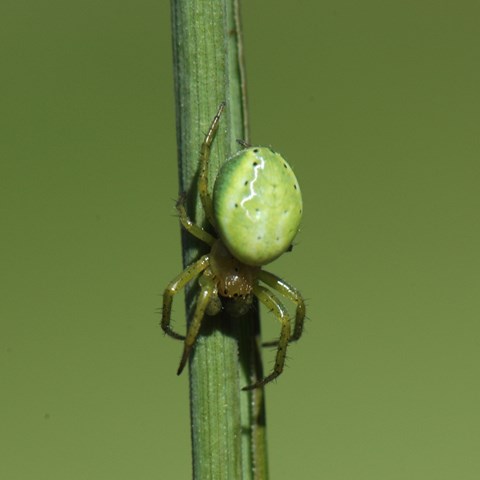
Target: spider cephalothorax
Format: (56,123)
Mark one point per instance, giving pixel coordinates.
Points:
(232,280)
(256,210)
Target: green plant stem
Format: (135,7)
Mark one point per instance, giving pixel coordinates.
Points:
(228,425)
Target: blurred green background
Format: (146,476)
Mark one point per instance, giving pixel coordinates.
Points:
(376,105)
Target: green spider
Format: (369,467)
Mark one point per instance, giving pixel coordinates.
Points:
(256,210)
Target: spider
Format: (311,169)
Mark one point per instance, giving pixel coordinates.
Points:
(255,209)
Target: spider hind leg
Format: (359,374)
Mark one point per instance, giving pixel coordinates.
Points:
(190,226)
(205,196)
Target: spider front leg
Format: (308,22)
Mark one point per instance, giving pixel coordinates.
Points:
(174,287)
(205,196)
(292,294)
(207,290)
(273,304)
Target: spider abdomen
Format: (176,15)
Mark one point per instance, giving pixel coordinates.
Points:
(257,204)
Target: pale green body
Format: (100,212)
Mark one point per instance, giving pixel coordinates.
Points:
(256,209)
(257,205)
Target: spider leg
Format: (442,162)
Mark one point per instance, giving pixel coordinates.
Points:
(273,303)
(174,287)
(292,294)
(205,196)
(191,227)
(203,300)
